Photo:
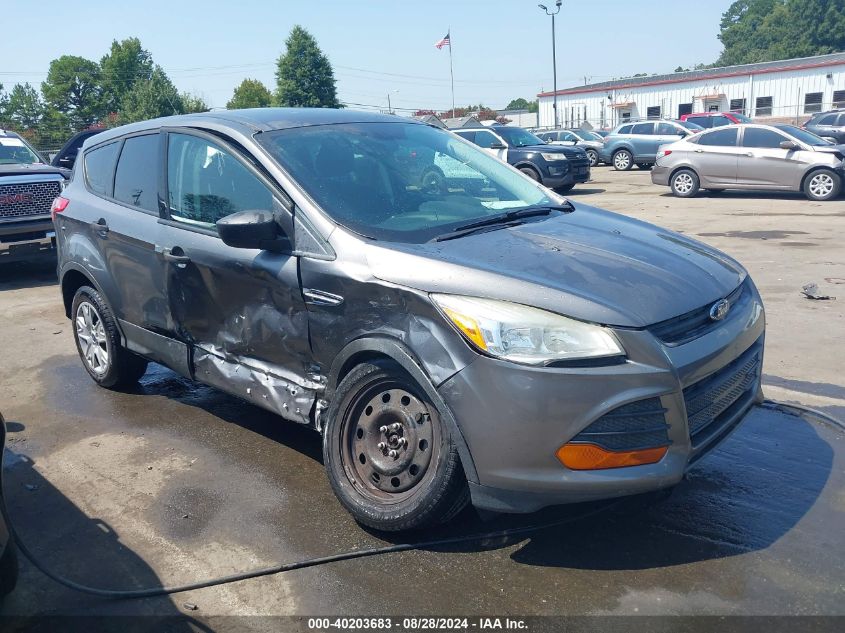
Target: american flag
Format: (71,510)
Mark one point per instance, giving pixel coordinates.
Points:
(444,42)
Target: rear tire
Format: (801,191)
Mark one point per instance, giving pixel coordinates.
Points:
(822,185)
(98,342)
(684,183)
(533,175)
(390,458)
(623,160)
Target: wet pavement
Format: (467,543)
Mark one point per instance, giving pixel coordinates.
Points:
(174,482)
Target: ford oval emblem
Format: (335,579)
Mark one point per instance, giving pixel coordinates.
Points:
(720,309)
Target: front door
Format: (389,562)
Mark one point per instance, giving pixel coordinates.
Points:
(240,311)
(492,144)
(763,163)
(716,156)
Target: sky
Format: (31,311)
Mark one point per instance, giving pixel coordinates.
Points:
(501,49)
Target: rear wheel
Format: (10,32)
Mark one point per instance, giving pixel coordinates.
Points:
(593,155)
(98,342)
(623,160)
(533,175)
(822,185)
(390,458)
(684,183)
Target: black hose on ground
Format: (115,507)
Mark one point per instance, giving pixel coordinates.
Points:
(350,555)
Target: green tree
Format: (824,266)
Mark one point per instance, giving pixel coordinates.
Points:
(250,94)
(193,103)
(126,64)
(517,104)
(24,108)
(150,99)
(73,88)
(304,76)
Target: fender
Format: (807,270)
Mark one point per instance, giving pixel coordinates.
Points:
(93,281)
(402,355)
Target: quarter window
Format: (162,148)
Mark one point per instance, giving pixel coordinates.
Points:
(206,183)
(725,137)
(763,138)
(625,129)
(136,176)
(99,168)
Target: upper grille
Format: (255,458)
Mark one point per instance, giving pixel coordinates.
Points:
(684,328)
(710,402)
(633,426)
(28,199)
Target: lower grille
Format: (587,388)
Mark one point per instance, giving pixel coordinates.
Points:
(22,200)
(710,402)
(634,426)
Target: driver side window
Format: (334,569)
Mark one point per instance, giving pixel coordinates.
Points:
(486,139)
(206,183)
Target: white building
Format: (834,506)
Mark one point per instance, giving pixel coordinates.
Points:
(789,89)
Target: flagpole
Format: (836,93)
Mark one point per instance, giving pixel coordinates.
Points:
(451,72)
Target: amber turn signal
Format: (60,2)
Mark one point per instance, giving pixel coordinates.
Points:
(593,457)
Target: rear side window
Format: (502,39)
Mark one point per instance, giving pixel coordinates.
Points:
(486,139)
(667,129)
(99,168)
(625,129)
(206,182)
(725,137)
(643,128)
(760,137)
(136,177)
(828,119)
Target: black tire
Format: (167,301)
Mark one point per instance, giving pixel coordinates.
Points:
(405,478)
(822,185)
(644,166)
(684,183)
(593,155)
(531,173)
(564,188)
(622,160)
(8,568)
(116,367)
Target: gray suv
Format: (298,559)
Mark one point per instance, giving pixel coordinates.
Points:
(828,125)
(632,144)
(494,343)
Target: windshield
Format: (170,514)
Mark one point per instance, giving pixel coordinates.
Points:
(742,118)
(13,151)
(803,135)
(401,182)
(695,127)
(517,137)
(584,135)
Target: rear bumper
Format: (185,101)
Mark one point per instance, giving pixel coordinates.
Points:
(660,175)
(27,239)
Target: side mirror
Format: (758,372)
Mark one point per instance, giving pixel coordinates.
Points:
(250,229)
(789,145)
(497,146)
(67,162)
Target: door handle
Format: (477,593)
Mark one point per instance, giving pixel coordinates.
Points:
(699,151)
(750,154)
(102,227)
(174,255)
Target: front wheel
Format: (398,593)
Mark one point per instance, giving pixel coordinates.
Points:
(822,185)
(564,188)
(623,160)
(533,175)
(593,155)
(684,183)
(390,457)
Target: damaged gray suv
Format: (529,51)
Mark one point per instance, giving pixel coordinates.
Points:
(483,340)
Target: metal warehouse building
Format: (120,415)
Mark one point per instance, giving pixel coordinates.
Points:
(788,90)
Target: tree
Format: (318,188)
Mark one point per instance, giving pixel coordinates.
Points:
(73,88)
(304,76)
(126,64)
(193,103)
(250,94)
(150,99)
(23,107)
(517,104)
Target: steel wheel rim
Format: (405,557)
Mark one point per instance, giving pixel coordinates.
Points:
(91,335)
(384,419)
(683,183)
(622,160)
(594,158)
(821,185)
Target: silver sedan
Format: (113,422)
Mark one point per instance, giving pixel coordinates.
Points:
(751,156)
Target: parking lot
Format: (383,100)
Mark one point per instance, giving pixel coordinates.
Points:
(176,482)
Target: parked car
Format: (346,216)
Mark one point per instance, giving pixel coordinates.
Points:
(828,125)
(776,157)
(8,554)
(559,168)
(632,144)
(27,188)
(66,156)
(504,346)
(600,132)
(570,138)
(716,119)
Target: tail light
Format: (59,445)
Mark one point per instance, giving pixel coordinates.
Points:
(663,153)
(59,205)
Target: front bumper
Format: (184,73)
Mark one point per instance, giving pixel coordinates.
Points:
(660,175)
(26,239)
(575,173)
(514,418)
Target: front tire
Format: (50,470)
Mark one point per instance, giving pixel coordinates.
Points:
(822,185)
(390,457)
(533,175)
(98,342)
(564,189)
(623,160)
(593,155)
(684,183)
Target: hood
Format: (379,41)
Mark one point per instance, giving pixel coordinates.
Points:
(34,169)
(590,264)
(570,151)
(831,149)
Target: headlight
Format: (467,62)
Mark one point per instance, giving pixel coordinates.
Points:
(526,335)
(552,157)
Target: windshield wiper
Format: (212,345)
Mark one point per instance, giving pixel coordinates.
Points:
(504,220)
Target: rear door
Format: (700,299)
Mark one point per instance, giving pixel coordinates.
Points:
(716,156)
(763,163)
(240,311)
(645,141)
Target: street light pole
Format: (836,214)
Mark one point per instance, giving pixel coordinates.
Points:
(554,55)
